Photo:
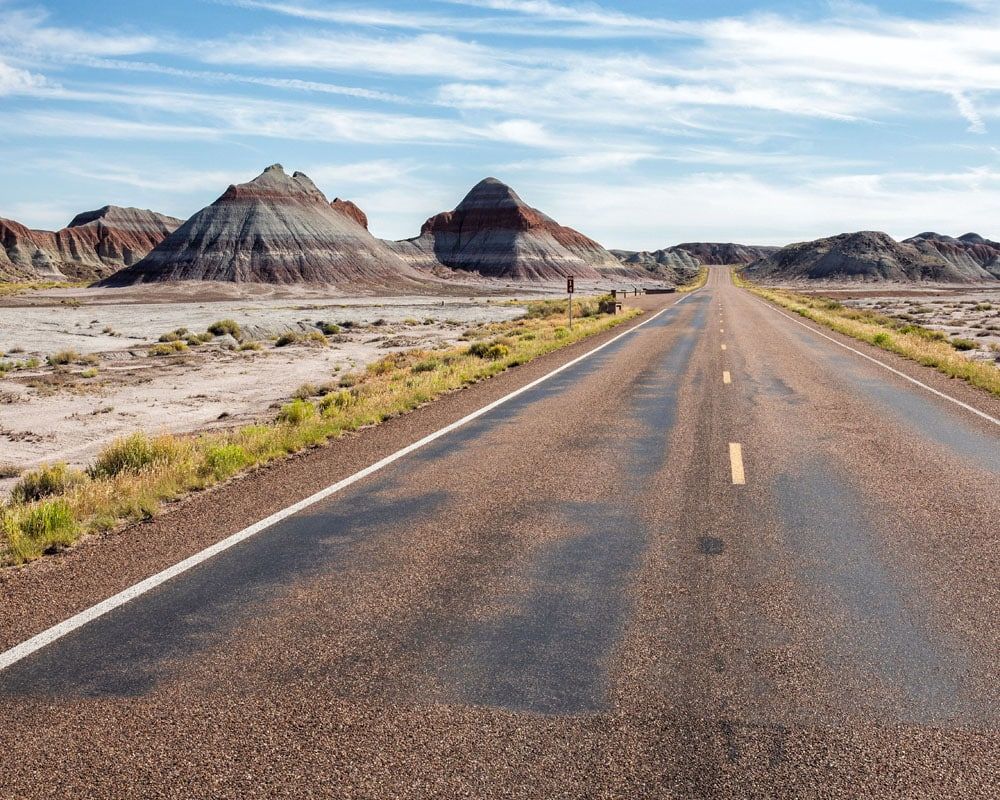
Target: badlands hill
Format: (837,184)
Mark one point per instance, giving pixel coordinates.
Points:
(725,252)
(277,228)
(495,233)
(94,245)
(866,256)
(970,252)
(669,264)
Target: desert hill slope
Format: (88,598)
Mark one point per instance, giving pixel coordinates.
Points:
(277,228)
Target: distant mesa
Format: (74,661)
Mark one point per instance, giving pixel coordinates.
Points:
(493,232)
(969,253)
(94,245)
(873,256)
(277,229)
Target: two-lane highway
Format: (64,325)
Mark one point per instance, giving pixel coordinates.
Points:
(720,557)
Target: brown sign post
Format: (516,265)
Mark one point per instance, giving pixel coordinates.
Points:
(569,291)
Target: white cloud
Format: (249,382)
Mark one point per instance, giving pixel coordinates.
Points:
(20,81)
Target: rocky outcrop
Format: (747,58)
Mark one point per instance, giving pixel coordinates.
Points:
(277,228)
(94,245)
(969,253)
(493,232)
(351,210)
(866,256)
(726,252)
(669,264)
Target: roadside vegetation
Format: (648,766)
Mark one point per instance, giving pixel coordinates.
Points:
(130,480)
(697,282)
(923,345)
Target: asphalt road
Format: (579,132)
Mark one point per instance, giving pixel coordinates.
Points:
(722,557)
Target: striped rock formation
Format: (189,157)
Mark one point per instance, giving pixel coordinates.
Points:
(94,245)
(970,253)
(277,228)
(865,256)
(495,233)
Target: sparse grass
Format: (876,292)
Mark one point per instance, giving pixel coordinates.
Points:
(134,476)
(9,471)
(90,372)
(328,328)
(923,345)
(224,326)
(288,338)
(250,346)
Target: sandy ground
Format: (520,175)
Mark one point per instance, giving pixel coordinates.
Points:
(56,414)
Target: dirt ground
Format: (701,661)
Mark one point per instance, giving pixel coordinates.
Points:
(69,412)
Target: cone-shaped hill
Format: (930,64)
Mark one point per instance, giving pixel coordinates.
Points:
(277,228)
(495,233)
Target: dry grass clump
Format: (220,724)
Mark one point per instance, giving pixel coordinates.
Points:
(133,476)
(929,347)
(63,357)
(168,348)
(224,326)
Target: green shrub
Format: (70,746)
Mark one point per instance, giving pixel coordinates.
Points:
(288,338)
(224,326)
(328,328)
(316,337)
(427,365)
(296,412)
(882,339)
(44,482)
(560,332)
(132,454)
(224,460)
(963,344)
(89,373)
(250,346)
(336,401)
(489,350)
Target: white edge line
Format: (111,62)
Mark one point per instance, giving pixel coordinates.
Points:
(882,364)
(46,637)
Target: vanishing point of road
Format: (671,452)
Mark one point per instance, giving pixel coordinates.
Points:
(723,556)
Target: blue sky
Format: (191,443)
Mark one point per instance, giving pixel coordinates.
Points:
(640,123)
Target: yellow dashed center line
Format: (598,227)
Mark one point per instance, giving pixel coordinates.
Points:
(736,463)
(723,347)
(726,377)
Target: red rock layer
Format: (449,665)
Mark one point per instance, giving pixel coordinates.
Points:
(349,209)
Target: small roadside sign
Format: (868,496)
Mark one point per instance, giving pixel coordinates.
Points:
(569,285)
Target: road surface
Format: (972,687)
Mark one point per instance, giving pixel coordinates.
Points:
(721,557)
